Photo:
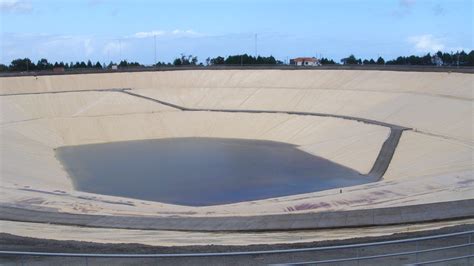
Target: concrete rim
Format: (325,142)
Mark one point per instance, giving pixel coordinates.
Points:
(324,220)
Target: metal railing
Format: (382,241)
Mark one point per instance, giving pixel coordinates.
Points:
(465,243)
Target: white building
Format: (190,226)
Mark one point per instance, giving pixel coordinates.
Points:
(306,61)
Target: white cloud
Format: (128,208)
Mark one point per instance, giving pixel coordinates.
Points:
(146,34)
(161,33)
(15,6)
(64,46)
(51,46)
(426,43)
(185,32)
(112,48)
(82,47)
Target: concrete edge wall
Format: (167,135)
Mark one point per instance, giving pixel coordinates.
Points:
(325,220)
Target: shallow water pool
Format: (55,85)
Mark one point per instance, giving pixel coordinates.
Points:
(201,171)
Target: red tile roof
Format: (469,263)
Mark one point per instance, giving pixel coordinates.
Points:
(305,59)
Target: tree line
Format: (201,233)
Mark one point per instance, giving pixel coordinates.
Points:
(243,59)
(26,64)
(445,59)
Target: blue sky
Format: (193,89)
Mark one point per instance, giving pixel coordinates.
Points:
(105,30)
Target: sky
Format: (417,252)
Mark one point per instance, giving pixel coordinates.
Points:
(147,31)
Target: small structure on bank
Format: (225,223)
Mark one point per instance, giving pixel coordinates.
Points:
(305,61)
(437,60)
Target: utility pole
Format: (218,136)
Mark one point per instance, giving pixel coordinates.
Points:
(256,51)
(154,40)
(120,49)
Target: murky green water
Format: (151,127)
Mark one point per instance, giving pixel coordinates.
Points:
(201,171)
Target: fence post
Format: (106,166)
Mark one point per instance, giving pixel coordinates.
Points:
(87,261)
